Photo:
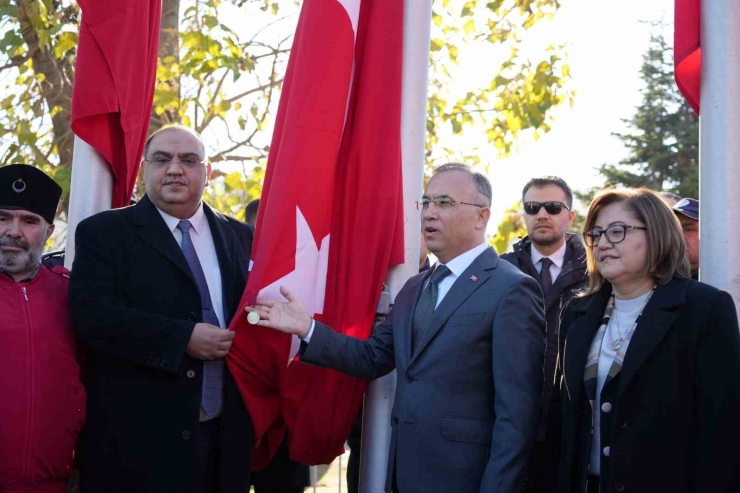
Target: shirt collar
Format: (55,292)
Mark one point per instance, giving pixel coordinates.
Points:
(27,279)
(458,264)
(196,221)
(557,257)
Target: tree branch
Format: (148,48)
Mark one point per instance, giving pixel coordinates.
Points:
(17,61)
(253,90)
(221,158)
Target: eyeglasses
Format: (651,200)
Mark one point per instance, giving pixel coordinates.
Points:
(552,208)
(163,161)
(443,202)
(614,234)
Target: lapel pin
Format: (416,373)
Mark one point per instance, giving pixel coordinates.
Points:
(473,278)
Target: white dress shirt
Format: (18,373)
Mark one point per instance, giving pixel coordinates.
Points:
(625,312)
(557,261)
(457,266)
(200,233)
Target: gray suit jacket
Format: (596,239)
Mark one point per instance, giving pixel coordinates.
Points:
(467,402)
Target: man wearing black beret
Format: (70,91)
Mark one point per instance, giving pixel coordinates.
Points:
(42,408)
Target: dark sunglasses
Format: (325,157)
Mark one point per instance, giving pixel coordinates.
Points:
(552,208)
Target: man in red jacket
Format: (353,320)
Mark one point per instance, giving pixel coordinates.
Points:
(42,408)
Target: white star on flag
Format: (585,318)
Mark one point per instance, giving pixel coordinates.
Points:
(308,280)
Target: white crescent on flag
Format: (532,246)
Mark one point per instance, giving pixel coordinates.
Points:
(353,11)
(308,280)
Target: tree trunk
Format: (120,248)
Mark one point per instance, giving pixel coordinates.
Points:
(169,46)
(56,89)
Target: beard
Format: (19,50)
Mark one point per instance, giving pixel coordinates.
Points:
(19,262)
(545,238)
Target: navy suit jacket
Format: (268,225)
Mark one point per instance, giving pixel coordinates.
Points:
(467,402)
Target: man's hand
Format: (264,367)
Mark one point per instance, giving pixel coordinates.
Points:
(290,317)
(209,342)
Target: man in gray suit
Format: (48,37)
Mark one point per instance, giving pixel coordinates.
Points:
(467,339)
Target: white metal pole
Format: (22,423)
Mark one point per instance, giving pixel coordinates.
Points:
(91,191)
(376,424)
(719,145)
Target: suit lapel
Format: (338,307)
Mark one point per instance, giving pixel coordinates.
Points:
(223,242)
(460,291)
(153,231)
(657,320)
(588,315)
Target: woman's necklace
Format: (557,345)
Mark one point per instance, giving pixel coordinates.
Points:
(617,344)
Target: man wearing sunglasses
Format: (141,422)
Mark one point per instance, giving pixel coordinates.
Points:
(557,260)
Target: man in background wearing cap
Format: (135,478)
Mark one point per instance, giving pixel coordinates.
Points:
(687,211)
(42,403)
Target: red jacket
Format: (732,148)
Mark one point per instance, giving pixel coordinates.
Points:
(42,402)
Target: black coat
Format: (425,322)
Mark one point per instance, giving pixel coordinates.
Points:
(570,281)
(673,424)
(135,303)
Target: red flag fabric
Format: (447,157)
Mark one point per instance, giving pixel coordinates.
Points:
(330,221)
(114,83)
(687,50)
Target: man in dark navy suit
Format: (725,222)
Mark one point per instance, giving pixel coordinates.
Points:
(467,339)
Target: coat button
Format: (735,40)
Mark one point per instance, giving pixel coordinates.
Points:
(606,407)
(607,451)
(156,361)
(186,435)
(190,316)
(618,485)
(190,374)
(149,360)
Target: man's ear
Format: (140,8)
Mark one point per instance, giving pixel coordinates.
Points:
(209,169)
(49,231)
(571,217)
(484,214)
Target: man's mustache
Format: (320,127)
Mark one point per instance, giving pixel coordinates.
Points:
(18,243)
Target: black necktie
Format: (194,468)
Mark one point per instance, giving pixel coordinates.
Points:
(426,305)
(545,277)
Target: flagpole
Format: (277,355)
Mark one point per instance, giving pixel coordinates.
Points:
(90,192)
(719,145)
(376,424)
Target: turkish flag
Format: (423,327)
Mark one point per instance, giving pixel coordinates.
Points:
(330,221)
(114,83)
(687,50)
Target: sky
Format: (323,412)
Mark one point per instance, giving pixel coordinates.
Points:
(605,41)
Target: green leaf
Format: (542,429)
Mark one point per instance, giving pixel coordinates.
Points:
(11,40)
(210,21)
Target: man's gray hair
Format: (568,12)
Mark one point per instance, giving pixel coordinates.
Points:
(482,185)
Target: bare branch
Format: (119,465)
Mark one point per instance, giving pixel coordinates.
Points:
(218,158)
(253,90)
(17,61)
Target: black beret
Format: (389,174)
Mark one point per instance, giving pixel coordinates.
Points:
(28,188)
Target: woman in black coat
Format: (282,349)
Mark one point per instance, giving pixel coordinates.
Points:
(651,361)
